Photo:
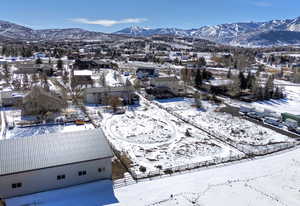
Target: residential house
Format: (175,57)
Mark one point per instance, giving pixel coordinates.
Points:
(11,98)
(100,95)
(172,83)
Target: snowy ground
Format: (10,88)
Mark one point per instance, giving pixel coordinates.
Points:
(270,181)
(155,139)
(13,115)
(290,104)
(234,129)
(92,194)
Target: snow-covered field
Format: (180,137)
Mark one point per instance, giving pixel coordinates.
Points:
(154,139)
(291,104)
(271,181)
(247,135)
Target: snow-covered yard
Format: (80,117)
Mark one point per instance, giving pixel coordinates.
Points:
(14,115)
(269,181)
(246,135)
(154,139)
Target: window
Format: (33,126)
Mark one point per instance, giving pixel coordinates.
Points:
(16,185)
(61,177)
(82,173)
(101,169)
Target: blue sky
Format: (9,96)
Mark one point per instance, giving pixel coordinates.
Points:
(113,15)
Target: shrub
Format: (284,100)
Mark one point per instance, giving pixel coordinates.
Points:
(143,169)
(168,171)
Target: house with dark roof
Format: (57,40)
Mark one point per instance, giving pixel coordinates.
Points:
(33,69)
(11,98)
(51,161)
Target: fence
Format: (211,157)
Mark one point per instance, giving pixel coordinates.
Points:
(186,168)
(247,150)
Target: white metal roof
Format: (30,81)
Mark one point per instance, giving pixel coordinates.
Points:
(56,149)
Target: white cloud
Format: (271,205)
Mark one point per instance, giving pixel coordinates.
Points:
(107,22)
(262,4)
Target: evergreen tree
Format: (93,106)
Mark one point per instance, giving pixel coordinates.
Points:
(206,75)
(243,80)
(276,94)
(234,89)
(60,64)
(7,74)
(38,61)
(260,94)
(248,80)
(229,73)
(201,62)
(197,98)
(198,79)
(253,85)
(269,87)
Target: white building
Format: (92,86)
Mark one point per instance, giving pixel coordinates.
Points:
(173,83)
(98,95)
(41,163)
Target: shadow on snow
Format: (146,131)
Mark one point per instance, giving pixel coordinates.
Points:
(96,193)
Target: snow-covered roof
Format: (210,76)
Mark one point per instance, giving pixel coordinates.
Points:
(51,150)
(10,94)
(219,82)
(83,73)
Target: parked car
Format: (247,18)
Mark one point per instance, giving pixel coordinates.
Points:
(245,110)
(254,115)
(291,124)
(272,121)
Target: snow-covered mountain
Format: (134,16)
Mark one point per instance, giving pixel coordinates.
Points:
(252,33)
(17,32)
(275,32)
(144,32)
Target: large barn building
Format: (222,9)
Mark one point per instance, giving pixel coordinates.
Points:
(41,163)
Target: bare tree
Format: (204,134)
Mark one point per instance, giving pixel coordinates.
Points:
(102,80)
(114,102)
(137,84)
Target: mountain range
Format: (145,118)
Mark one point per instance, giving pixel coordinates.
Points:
(275,32)
(11,31)
(270,33)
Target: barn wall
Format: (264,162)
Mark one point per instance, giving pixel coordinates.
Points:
(46,179)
